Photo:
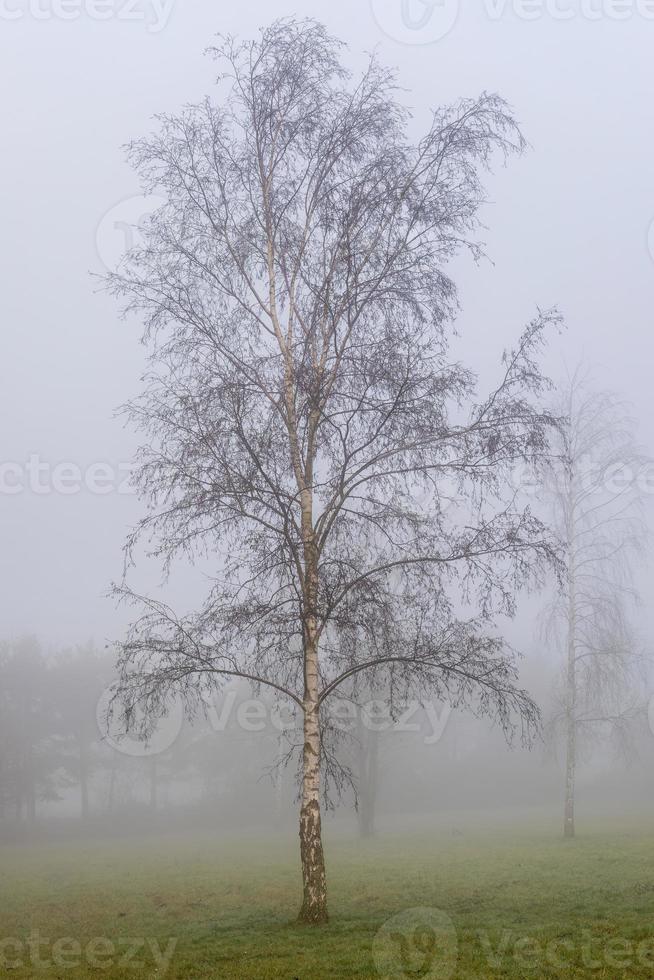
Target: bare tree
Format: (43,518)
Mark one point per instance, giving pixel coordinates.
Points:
(592,489)
(305,425)
(367,773)
(30,760)
(75,683)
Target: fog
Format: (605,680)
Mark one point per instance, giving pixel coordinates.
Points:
(568,224)
(430,764)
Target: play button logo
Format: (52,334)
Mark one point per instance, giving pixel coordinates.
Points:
(419,942)
(416,21)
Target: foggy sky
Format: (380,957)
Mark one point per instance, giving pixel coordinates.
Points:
(567,225)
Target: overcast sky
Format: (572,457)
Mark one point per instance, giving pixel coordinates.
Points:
(567,224)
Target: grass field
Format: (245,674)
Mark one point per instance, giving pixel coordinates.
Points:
(520,906)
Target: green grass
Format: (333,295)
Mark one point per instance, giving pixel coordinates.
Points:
(230,905)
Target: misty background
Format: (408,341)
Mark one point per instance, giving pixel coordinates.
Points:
(568,225)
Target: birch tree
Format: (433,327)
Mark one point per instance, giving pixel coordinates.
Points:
(302,414)
(367,775)
(593,490)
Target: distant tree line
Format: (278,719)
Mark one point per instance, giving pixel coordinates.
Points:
(55,748)
(57,759)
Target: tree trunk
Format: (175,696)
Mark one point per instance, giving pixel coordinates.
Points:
(153,784)
(571,708)
(367,784)
(279,786)
(569,815)
(31,785)
(314,904)
(32,805)
(111,794)
(84,779)
(571,746)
